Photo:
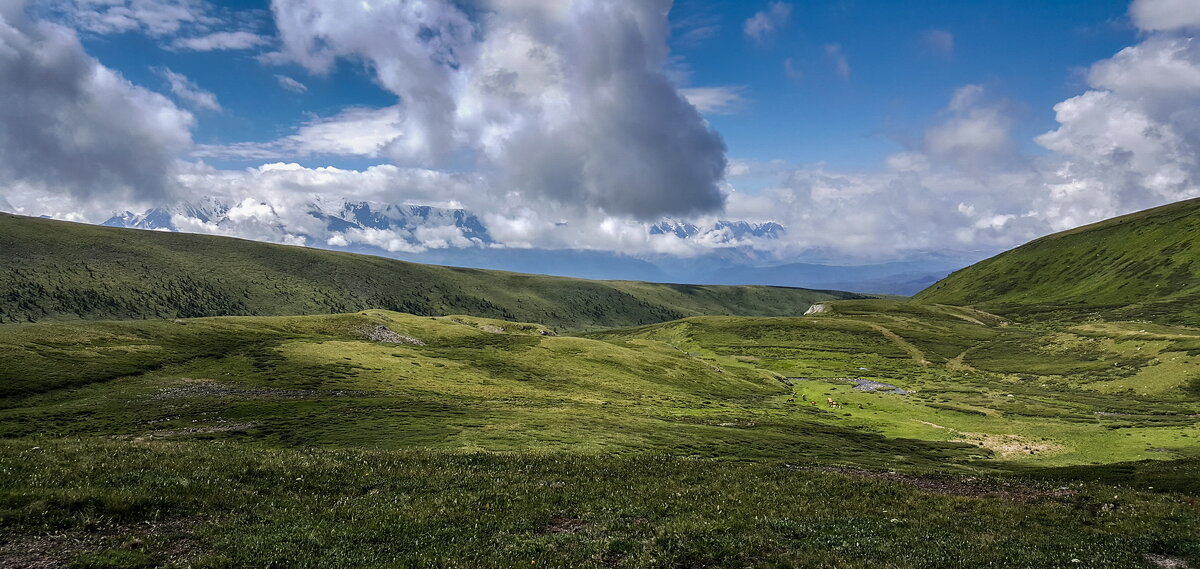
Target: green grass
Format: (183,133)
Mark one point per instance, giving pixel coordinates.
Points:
(56,270)
(225,504)
(1028,393)
(1142,266)
(304,441)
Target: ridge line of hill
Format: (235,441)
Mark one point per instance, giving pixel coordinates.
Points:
(59,270)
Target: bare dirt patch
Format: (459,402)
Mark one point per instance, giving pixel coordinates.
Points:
(1166,561)
(1008,446)
(565,525)
(383,334)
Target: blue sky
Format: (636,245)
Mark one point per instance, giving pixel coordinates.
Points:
(869,130)
(1027,51)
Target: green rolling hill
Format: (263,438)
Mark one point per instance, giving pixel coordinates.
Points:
(56,270)
(1144,265)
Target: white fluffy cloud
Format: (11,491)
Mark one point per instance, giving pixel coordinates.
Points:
(221,41)
(573,136)
(564,101)
(975,135)
(1133,140)
(1164,15)
(72,125)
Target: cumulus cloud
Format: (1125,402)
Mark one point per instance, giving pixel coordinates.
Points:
(975,135)
(1133,140)
(564,100)
(763,24)
(221,41)
(189,92)
(1165,15)
(1130,142)
(73,125)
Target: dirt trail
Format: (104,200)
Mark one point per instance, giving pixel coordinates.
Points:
(917,355)
(958,364)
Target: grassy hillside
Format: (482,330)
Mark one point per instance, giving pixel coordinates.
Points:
(1030,394)
(379,439)
(1148,261)
(55,270)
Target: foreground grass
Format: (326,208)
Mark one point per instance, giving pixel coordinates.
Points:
(231,504)
(380,439)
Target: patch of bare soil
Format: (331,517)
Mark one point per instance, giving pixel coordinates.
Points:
(1166,561)
(383,334)
(565,525)
(170,543)
(956,486)
(1008,446)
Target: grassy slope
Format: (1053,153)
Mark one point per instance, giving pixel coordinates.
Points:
(1039,394)
(298,441)
(56,270)
(246,441)
(1145,264)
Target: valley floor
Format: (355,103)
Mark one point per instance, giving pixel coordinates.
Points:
(959,439)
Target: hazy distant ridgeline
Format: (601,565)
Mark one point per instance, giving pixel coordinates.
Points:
(1144,265)
(57,270)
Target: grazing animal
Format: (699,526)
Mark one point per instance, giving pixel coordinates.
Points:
(833,404)
(804,396)
(792,399)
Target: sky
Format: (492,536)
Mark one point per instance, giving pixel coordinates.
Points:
(870,130)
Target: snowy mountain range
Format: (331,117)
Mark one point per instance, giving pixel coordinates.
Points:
(338,217)
(407,231)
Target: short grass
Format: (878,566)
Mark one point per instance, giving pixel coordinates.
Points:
(227,504)
(1027,394)
(1143,266)
(472,442)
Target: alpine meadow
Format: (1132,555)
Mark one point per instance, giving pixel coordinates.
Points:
(324,344)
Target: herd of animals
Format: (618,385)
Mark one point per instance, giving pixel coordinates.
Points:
(832,404)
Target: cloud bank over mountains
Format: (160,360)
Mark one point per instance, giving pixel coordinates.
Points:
(557,126)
